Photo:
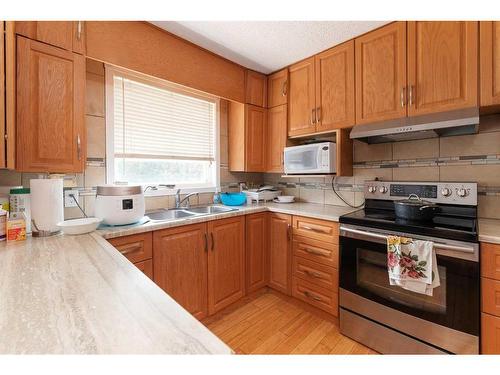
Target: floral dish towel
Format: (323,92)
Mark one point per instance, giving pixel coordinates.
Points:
(412,264)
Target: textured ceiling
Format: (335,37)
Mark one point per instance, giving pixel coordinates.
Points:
(267,46)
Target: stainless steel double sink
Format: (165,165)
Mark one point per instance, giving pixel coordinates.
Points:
(183,213)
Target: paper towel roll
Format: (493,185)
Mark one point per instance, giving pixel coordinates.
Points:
(47,203)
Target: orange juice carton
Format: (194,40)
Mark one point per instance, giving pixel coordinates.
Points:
(16,227)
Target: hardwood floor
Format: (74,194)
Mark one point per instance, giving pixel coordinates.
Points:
(268,322)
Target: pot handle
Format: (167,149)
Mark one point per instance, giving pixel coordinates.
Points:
(434,207)
(414,196)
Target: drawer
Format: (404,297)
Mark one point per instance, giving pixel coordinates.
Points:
(136,248)
(146,267)
(321,298)
(490,260)
(490,334)
(490,296)
(316,273)
(317,251)
(318,229)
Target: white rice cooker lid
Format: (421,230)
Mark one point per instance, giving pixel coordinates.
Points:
(118,190)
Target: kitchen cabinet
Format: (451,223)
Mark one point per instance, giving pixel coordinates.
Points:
(255,88)
(146,267)
(277,84)
(2,91)
(50,108)
(7,94)
(490,62)
(180,266)
(490,334)
(322,230)
(279,247)
(334,72)
(381,74)
(256,251)
(247,137)
(442,66)
(276,138)
(68,35)
(490,260)
(301,98)
(136,247)
(226,262)
(322,298)
(490,298)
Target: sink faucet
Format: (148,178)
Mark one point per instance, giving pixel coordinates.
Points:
(179,201)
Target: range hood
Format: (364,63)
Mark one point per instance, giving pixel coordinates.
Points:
(443,124)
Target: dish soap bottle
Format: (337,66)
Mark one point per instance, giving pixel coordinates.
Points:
(216,196)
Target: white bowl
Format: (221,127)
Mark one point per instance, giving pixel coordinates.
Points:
(285,198)
(79,226)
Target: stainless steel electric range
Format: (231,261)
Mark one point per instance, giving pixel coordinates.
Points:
(388,318)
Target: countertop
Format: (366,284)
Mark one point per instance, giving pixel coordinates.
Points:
(489,230)
(79,295)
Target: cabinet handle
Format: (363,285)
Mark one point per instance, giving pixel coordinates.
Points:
(318,114)
(206,242)
(313,274)
(312,296)
(289,231)
(127,249)
(213,241)
(79,30)
(283,88)
(403,97)
(313,116)
(411,95)
(314,229)
(316,252)
(78,147)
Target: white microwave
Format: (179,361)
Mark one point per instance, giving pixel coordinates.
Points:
(311,159)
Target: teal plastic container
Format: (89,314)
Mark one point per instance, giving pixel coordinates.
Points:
(233,199)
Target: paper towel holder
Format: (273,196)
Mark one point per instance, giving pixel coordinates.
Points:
(42,233)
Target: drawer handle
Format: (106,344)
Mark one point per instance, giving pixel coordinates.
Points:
(289,232)
(314,229)
(312,296)
(127,249)
(313,274)
(316,252)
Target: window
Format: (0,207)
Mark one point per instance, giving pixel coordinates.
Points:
(160,133)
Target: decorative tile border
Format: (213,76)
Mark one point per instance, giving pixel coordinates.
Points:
(430,162)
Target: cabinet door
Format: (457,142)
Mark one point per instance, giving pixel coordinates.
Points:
(226,262)
(442,66)
(276,138)
(490,334)
(381,74)
(255,140)
(490,62)
(301,100)
(146,267)
(50,108)
(136,247)
(335,88)
(56,33)
(490,260)
(277,85)
(2,95)
(180,265)
(256,251)
(256,88)
(279,245)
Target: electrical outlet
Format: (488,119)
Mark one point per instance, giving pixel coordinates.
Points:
(70,201)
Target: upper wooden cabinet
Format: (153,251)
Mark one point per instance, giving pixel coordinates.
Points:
(50,108)
(256,251)
(276,138)
(442,66)
(280,252)
(301,98)
(7,94)
(2,93)
(68,35)
(381,74)
(277,85)
(255,88)
(335,88)
(490,62)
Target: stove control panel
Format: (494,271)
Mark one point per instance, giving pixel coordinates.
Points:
(462,193)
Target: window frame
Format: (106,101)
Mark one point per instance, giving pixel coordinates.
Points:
(109,73)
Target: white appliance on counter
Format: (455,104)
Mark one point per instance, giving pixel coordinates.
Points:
(119,205)
(47,207)
(313,158)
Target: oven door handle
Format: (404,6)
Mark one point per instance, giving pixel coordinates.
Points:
(437,245)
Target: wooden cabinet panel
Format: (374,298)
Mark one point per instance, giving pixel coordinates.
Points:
(279,245)
(146,267)
(490,62)
(381,74)
(180,266)
(79,41)
(317,251)
(335,87)
(325,299)
(10,94)
(301,98)
(442,66)
(490,260)
(56,33)
(490,296)
(255,88)
(256,251)
(316,273)
(136,247)
(276,138)
(322,230)
(255,139)
(50,108)
(490,334)
(226,262)
(277,84)
(2,94)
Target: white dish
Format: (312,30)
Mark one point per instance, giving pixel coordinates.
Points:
(284,199)
(79,226)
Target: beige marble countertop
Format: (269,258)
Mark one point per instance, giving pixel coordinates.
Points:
(489,230)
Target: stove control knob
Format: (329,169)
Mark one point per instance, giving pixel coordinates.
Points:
(382,189)
(446,192)
(462,193)
(372,189)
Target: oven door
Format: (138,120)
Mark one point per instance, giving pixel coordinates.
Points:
(454,304)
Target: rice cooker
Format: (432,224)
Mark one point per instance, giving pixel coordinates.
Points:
(119,205)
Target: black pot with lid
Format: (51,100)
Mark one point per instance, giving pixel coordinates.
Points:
(414,208)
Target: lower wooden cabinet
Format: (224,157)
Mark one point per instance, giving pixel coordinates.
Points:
(324,298)
(256,251)
(280,252)
(180,266)
(136,247)
(490,334)
(146,267)
(490,298)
